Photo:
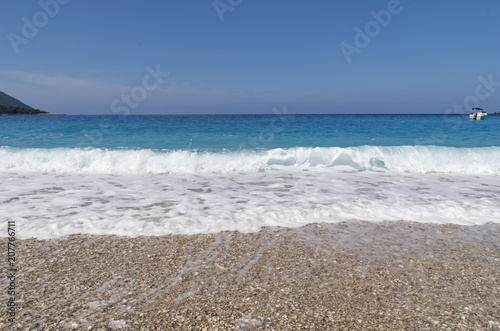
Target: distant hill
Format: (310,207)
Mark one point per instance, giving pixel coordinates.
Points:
(7,100)
(11,110)
(12,106)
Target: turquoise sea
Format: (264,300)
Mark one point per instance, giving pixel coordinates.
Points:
(153,175)
(237,132)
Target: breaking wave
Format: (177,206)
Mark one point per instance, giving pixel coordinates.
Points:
(405,159)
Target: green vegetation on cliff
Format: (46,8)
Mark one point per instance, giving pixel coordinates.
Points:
(12,110)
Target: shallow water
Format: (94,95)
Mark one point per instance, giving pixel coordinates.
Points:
(156,175)
(48,205)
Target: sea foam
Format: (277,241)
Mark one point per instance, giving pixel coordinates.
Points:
(402,159)
(55,192)
(49,205)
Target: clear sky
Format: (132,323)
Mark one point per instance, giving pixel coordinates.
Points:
(250,56)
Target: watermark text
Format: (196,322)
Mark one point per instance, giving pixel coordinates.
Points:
(31,27)
(11,271)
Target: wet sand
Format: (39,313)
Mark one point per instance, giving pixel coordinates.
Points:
(356,275)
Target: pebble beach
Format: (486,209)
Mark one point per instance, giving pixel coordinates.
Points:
(351,275)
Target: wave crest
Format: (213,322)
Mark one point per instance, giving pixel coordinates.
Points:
(410,159)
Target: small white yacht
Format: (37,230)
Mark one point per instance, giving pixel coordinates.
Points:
(478,115)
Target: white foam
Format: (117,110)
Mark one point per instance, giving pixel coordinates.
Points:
(407,159)
(49,205)
(56,192)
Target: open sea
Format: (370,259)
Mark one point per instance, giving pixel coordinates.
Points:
(157,175)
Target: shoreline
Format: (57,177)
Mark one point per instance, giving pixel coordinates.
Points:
(42,114)
(356,275)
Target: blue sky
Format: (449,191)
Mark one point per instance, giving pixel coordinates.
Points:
(96,57)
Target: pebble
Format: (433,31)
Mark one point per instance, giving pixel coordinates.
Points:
(402,275)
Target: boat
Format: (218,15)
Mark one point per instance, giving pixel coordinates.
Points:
(478,115)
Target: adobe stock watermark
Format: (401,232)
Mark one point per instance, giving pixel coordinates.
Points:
(123,105)
(372,29)
(483,91)
(139,93)
(223,6)
(277,124)
(30,28)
